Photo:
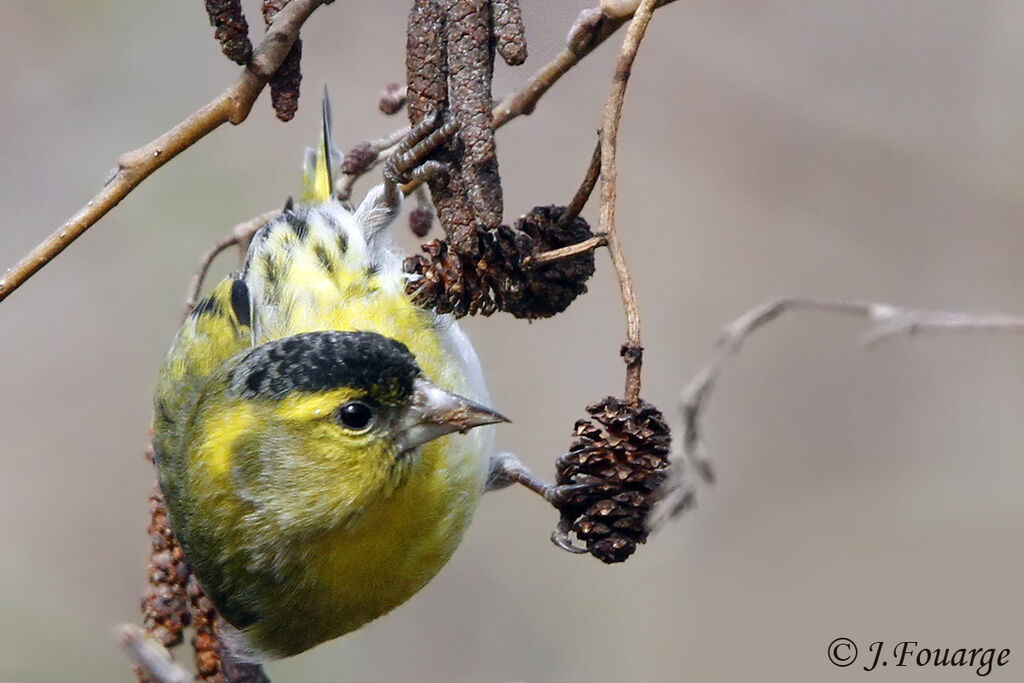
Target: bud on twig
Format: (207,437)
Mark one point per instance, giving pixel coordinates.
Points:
(392,99)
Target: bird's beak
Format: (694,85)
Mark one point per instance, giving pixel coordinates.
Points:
(434,412)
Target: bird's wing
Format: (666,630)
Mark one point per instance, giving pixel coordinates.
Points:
(215,330)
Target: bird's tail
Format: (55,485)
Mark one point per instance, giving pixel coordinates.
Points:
(320,166)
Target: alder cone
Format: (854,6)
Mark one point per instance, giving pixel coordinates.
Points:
(495,277)
(550,288)
(621,455)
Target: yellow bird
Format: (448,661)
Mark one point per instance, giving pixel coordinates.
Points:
(304,421)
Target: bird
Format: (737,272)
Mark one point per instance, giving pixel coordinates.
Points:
(320,440)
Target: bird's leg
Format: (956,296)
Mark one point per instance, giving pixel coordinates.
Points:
(408,161)
(506,469)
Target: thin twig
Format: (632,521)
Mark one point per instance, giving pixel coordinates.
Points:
(150,656)
(887,322)
(592,27)
(205,261)
(632,351)
(233,105)
(589,244)
(240,235)
(579,200)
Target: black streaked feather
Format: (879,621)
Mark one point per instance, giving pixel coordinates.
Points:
(240,301)
(297,221)
(208,305)
(324,258)
(322,361)
(271,270)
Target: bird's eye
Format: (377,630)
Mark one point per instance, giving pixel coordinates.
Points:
(355,415)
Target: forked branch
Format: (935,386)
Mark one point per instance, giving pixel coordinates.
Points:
(886,321)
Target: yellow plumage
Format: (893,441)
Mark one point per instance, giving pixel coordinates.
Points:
(300,529)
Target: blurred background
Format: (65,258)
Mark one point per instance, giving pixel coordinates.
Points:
(867,150)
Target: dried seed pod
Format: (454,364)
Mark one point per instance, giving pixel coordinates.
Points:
(426,64)
(164,604)
(470,64)
(450,64)
(620,456)
(284,84)
(509,35)
(496,278)
(230,29)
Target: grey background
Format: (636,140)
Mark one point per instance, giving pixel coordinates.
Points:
(866,149)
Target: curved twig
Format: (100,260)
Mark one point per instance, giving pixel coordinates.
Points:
(632,351)
(240,235)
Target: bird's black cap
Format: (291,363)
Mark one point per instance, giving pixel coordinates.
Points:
(322,361)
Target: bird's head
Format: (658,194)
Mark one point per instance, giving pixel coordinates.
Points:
(326,421)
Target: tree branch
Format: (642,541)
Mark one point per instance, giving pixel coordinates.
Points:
(233,105)
(592,27)
(240,235)
(586,188)
(887,321)
(632,351)
(150,656)
(586,245)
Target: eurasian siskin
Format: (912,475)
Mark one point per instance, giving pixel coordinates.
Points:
(303,428)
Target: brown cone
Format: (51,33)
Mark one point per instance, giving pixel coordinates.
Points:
(621,453)
(496,277)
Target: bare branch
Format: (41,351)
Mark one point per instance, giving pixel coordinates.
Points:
(579,200)
(150,656)
(233,105)
(891,321)
(240,235)
(887,321)
(592,27)
(586,245)
(632,351)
